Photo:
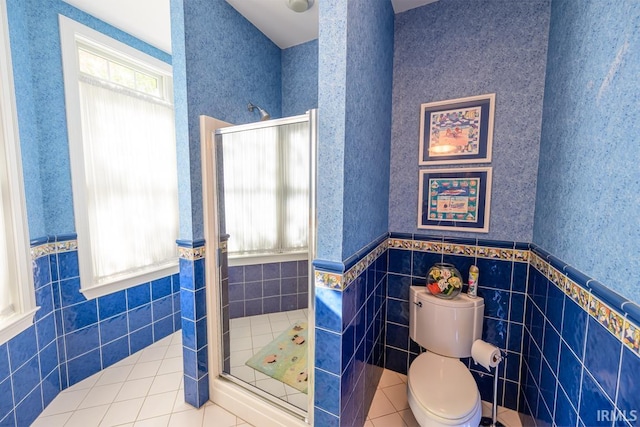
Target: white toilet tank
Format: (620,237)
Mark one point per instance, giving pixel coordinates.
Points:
(445,327)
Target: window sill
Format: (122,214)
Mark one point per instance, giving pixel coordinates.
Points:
(128,282)
(239,260)
(16,324)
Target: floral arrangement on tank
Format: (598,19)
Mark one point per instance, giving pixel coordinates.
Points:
(444,281)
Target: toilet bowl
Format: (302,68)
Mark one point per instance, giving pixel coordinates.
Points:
(440,389)
(442,392)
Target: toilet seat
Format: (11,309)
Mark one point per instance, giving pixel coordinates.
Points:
(442,391)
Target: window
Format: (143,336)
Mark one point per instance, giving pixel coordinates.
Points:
(266,189)
(123,160)
(17,299)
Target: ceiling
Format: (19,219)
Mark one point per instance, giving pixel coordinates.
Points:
(282,25)
(400,6)
(150,21)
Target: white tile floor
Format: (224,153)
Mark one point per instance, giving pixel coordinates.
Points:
(390,408)
(145,389)
(250,334)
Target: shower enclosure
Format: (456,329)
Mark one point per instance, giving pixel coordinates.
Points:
(262,219)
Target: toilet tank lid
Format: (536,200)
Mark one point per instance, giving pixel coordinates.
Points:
(461,301)
(443,386)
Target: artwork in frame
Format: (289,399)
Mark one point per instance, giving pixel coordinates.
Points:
(457,131)
(455,199)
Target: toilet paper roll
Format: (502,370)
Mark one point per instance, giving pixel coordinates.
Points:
(485,354)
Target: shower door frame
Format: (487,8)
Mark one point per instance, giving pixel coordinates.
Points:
(256,407)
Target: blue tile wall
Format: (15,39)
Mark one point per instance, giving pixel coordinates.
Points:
(572,344)
(502,284)
(593,59)
(73,337)
(226,312)
(268,288)
(581,351)
(194,323)
(123,322)
(349,338)
(499,50)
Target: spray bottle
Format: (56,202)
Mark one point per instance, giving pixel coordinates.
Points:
(473,281)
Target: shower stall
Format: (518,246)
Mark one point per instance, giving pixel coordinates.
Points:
(260,226)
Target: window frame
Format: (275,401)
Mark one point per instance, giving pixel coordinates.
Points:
(11,159)
(72,35)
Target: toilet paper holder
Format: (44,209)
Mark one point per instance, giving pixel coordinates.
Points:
(502,356)
(493,421)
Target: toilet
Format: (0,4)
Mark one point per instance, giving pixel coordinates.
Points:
(440,389)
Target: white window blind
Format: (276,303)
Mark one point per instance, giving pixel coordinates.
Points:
(123,161)
(131,184)
(266,189)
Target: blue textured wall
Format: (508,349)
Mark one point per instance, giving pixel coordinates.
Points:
(29,142)
(225,63)
(332,69)
(299,78)
(35,44)
(586,204)
(456,48)
(355,78)
(181,113)
(368,124)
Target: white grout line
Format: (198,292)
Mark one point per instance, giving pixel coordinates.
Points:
(163,346)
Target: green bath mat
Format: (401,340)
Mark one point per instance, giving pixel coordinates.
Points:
(285,358)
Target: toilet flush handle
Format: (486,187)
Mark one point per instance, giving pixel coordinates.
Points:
(419,303)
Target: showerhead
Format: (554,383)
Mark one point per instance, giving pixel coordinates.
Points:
(263,114)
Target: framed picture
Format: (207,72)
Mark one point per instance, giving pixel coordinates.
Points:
(457,131)
(455,199)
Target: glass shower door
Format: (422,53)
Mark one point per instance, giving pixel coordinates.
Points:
(264,193)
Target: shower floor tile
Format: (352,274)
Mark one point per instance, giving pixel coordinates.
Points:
(248,336)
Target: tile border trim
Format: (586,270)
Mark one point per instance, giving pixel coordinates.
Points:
(52,245)
(341,281)
(191,254)
(479,250)
(51,248)
(327,277)
(191,250)
(618,324)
